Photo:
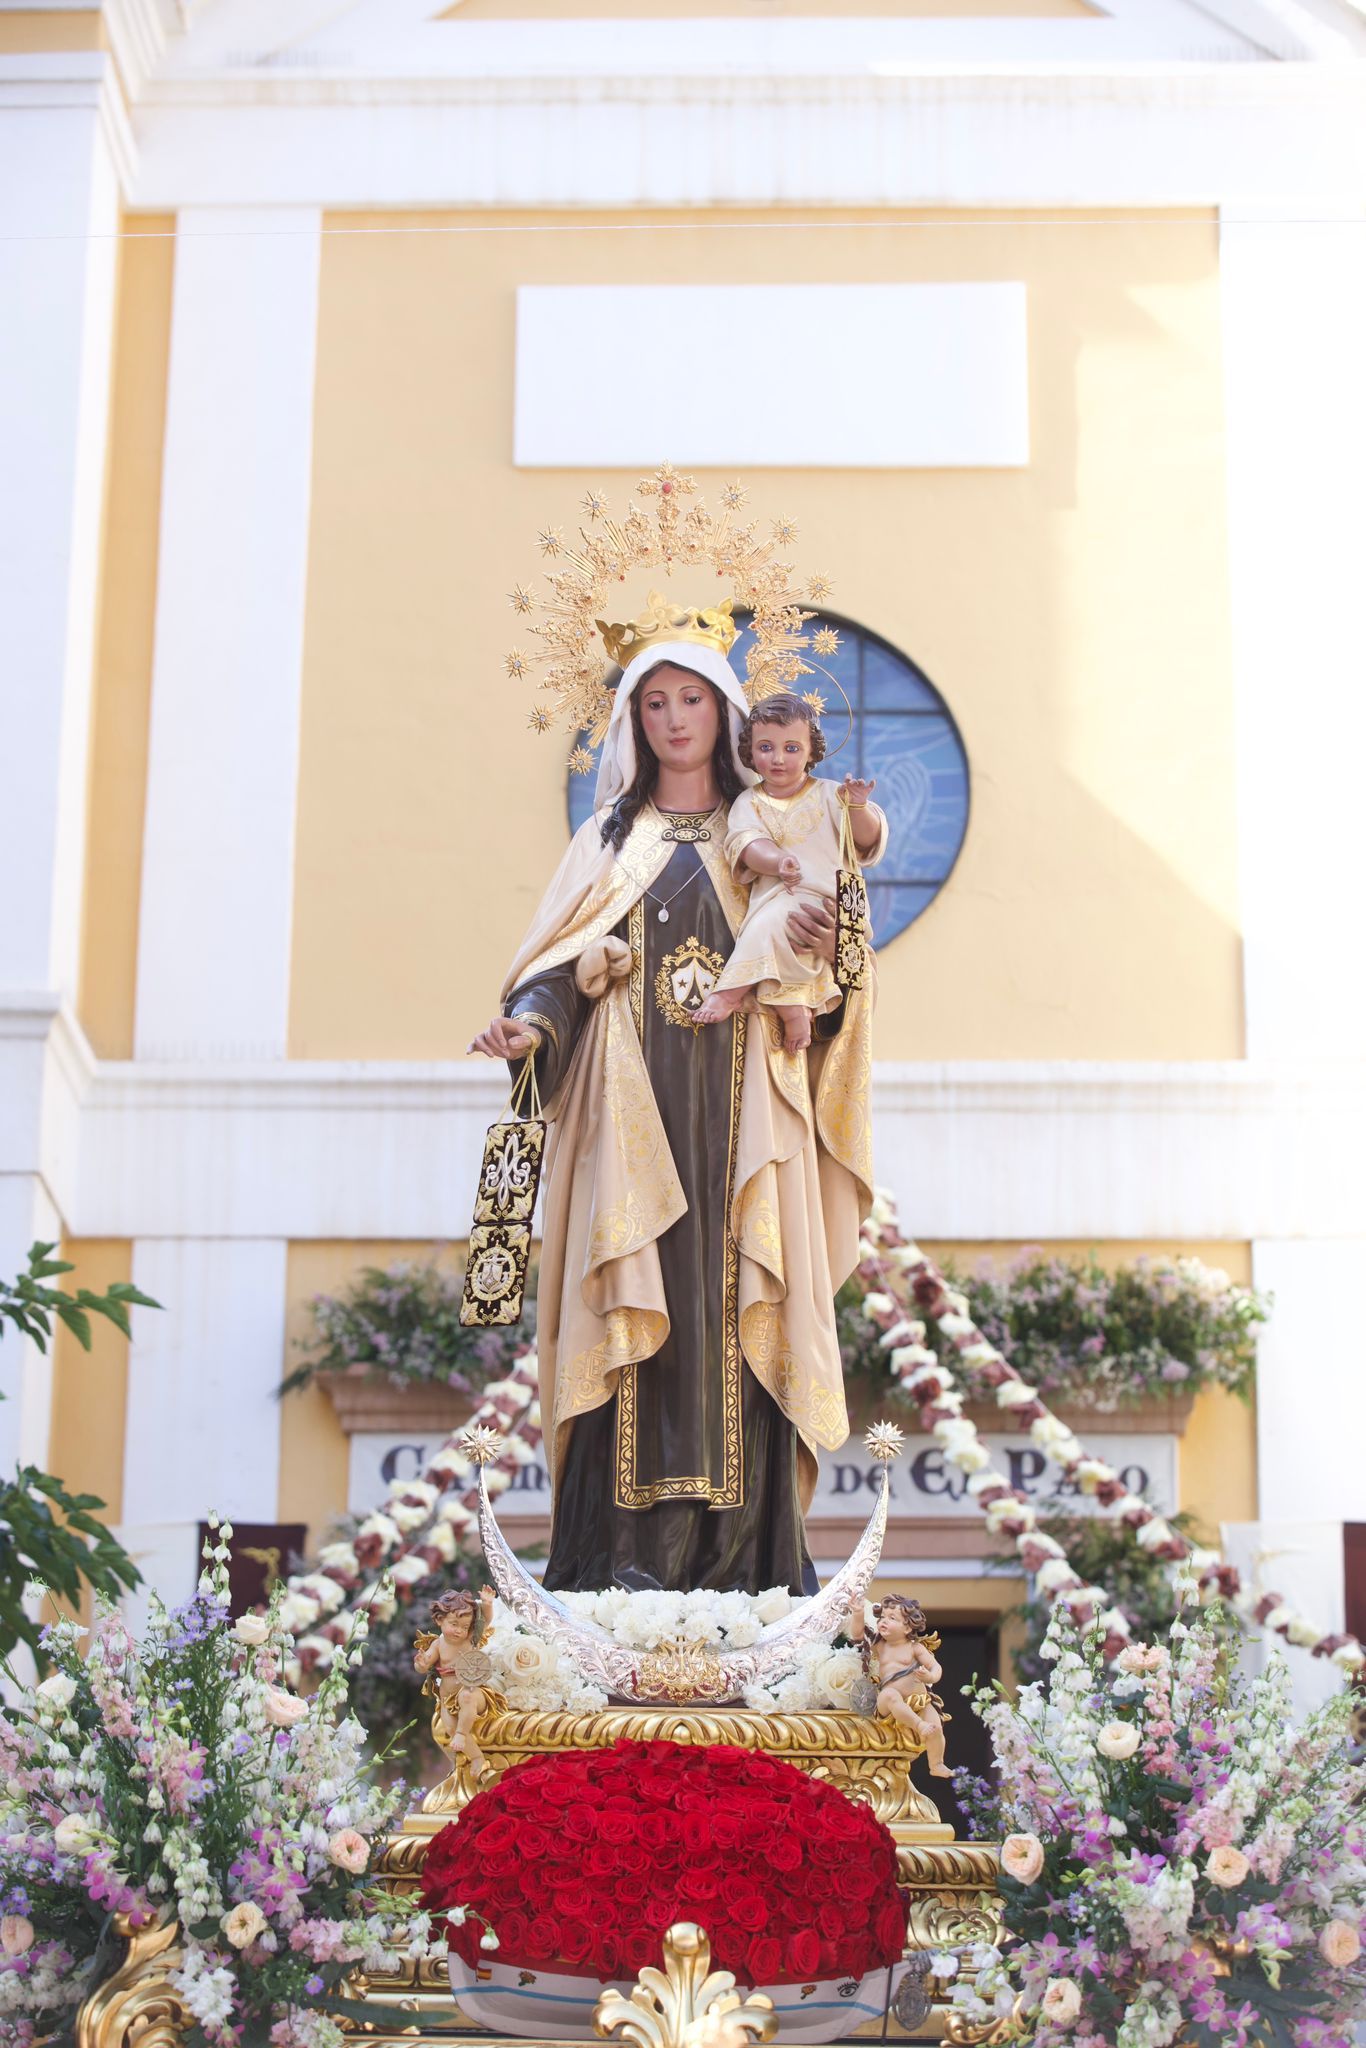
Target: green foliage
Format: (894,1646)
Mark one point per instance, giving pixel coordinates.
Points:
(49,1537)
(403,1322)
(31,1306)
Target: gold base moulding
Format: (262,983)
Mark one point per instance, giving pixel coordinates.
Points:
(951,1885)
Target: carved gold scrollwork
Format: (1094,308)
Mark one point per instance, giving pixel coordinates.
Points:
(138,2007)
(668,2008)
(966,2033)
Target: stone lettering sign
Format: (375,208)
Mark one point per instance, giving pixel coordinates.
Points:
(922,1482)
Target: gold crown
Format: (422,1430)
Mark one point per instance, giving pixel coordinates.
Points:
(665,621)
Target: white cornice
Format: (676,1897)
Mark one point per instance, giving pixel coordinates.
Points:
(380,1149)
(989,137)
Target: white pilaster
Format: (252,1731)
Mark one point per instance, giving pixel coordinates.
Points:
(1294,325)
(213,963)
(59,204)
(203,1424)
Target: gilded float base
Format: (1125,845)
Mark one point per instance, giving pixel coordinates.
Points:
(952,1885)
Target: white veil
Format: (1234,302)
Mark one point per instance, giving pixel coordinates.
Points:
(617,768)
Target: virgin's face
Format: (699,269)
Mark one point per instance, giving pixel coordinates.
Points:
(680,718)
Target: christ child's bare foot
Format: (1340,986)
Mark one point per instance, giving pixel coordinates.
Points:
(796,1026)
(720,1004)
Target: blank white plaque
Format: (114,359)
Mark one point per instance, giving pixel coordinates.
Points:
(775,376)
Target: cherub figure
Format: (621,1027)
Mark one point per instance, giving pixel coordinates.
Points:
(900,1657)
(458,1673)
(790,809)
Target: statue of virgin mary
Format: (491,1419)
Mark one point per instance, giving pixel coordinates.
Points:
(704,1187)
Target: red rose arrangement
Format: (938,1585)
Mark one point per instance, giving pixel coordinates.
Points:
(580,1862)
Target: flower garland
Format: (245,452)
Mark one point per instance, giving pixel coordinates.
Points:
(581,1860)
(905,1288)
(421,1526)
(1178,1861)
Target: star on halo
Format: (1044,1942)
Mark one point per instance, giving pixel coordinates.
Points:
(816,701)
(540,721)
(819,588)
(515,663)
(826,641)
(594,503)
(581,761)
(784,532)
(733,496)
(883,1442)
(550,540)
(519,599)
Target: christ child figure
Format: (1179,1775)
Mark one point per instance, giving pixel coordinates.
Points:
(904,1668)
(784,835)
(456,1670)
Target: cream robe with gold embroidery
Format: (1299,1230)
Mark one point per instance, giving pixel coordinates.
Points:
(803,1175)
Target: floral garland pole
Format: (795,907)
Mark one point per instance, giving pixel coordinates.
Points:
(905,1288)
(422,1525)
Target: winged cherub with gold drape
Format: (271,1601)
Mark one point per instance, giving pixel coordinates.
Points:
(703,1187)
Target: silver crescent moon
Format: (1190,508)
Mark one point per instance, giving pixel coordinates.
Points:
(601,1660)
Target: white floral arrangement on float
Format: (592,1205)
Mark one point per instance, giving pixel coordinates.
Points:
(177,1779)
(531,1673)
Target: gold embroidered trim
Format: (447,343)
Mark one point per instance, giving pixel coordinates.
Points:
(635,934)
(731,1492)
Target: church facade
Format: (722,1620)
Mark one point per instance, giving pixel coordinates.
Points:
(1041,321)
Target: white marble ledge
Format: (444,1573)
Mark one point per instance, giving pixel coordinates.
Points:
(389,1149)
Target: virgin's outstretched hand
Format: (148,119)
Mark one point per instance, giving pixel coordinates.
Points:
(507,1038)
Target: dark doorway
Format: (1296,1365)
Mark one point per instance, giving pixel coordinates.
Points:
(969,1656)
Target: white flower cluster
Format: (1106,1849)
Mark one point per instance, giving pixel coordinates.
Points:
(531,1673)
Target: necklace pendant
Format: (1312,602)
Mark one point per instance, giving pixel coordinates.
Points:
(663,916)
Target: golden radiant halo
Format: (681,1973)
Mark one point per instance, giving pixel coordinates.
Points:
(668,526)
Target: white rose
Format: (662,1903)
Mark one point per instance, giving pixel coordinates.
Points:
(407,1516)
(75,1834)
(878,1304)
(774,1605)
(1061,2001)
(1053,1574)
(58,1690)
(1227,1867)
(1154,1534)
(1117,1739)
(410,1571)
(251,1629)
(441,1539)
(283,1709)
(529,1657)
(16,1934)
(837,1675)
(1014,1394)
(243,1923)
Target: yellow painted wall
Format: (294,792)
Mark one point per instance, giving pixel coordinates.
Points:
(1074,614)
(90,1388)
(35,29)
(313,1445)
(124,635)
